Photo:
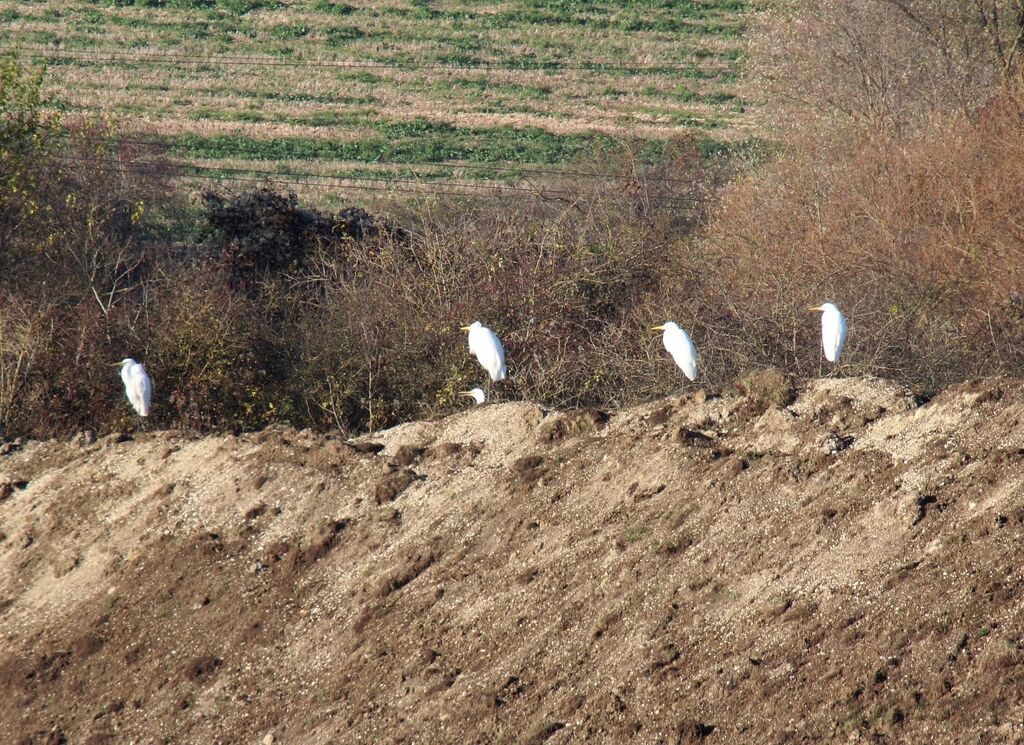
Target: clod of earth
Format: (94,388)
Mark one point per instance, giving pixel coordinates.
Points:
(691,438)
(407,455)
(367,447)
(393,484)
(572,424)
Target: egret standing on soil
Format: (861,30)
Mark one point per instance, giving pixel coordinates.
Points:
(476,394)
(137,385)
(486,346)
(678,344)
(833,331)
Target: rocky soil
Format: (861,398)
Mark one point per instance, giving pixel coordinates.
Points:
(842,565)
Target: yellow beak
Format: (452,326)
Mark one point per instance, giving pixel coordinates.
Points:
(817,308)
(464,328)
(657,328)
(467,394)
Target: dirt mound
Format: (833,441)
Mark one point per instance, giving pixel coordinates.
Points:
(703,569)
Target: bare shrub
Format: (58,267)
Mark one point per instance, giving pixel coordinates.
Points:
(213,354)
(62,354)
(889,65)
(566,285)
(23,336)
(917,240)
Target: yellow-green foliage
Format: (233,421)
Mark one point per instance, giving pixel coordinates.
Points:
(204,352)
(27,137)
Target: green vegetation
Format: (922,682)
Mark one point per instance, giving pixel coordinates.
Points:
(408,142)
(318,80)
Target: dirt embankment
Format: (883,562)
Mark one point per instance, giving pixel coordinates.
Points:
(703,569)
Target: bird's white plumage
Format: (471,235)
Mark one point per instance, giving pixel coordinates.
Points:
(476,394)
(486,347)
(679,344)
(137,385)
(833,331)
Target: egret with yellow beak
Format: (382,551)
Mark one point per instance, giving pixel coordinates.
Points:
(833,331)
(476,394)
(486,346)
(678,344)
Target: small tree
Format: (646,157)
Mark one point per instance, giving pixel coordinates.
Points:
(28,136)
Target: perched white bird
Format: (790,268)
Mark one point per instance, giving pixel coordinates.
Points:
(680,346)
(137,385)
(833,331)
(476,394)
(488,350)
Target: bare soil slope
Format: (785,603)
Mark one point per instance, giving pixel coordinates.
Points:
(704,569)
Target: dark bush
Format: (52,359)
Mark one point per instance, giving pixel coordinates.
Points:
(261,232)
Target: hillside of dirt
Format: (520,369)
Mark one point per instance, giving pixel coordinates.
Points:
(840,564)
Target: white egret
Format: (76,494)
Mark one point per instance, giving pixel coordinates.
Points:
(678,344)
(476,394)
(833,331)
(137,385)
(486,346)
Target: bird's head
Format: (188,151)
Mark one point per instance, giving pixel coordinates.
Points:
(476,394)
(825,308)
(470,327)
(664,327)
(125,361)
